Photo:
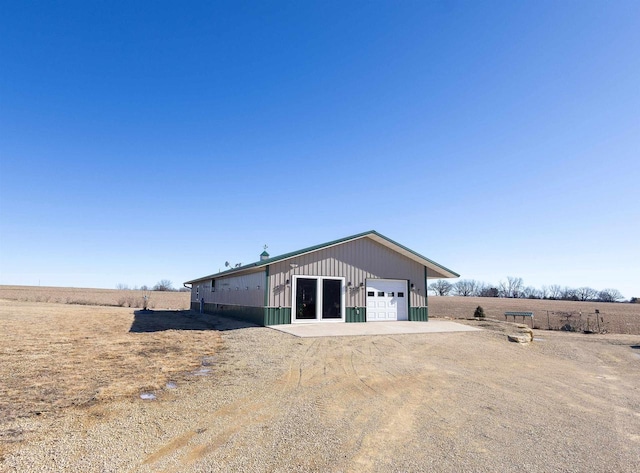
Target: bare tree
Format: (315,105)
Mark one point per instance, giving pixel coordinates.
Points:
(441,287)
(512,287)
(610,295)
(487,290)
(543,292)
(466,288)
(555,291)
(122,287)
(530,292)
(163,285)
(585,293)
(568,294)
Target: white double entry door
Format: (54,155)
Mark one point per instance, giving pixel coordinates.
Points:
(387,300)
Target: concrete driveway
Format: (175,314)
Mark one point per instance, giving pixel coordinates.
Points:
(329,329)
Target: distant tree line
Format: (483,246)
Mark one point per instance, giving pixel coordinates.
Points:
(514,288)
(162,285)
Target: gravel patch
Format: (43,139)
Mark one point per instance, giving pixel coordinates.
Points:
(447,402)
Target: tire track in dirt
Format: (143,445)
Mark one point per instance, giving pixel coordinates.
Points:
(243,413)
(185,451)
(390,415)
(358,381)
(609,373)
(376,389)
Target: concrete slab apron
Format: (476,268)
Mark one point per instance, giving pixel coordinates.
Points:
(329,329)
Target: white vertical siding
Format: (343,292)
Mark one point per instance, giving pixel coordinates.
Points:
(244,290)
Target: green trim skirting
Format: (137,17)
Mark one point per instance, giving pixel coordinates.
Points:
(250,314)
(277,315)
(355,314)
(256,315)
(419,314)
(282,315)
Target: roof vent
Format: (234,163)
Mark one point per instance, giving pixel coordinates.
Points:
(264,255)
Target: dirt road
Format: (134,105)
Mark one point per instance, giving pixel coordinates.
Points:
(448,402)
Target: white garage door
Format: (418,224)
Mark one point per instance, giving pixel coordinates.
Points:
(386,300)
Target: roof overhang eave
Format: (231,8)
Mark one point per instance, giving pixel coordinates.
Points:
(253,268)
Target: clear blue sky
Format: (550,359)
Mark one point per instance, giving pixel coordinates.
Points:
(142,141)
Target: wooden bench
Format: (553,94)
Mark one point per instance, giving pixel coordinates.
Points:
(519,314)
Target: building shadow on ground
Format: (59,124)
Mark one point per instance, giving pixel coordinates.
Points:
(161,320)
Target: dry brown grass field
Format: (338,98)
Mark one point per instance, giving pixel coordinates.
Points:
(72,377)
(253,399)
(621,318)
(105,297)
(55,356)
(614,317)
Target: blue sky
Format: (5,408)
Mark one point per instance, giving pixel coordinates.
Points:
(142,141)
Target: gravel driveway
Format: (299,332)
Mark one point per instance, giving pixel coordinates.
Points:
(446,402)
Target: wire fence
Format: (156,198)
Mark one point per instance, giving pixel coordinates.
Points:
(568,321)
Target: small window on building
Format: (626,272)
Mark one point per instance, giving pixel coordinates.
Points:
(389,294)
(380,294)
(213,285)
(371,293)
(197,292)
(401,294)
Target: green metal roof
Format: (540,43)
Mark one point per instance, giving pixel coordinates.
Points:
(370,234)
